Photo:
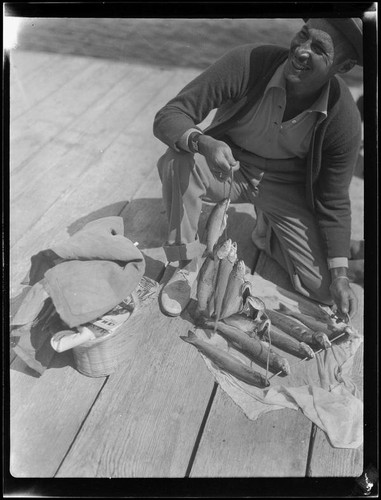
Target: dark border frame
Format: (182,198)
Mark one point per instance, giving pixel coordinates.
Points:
(221,487)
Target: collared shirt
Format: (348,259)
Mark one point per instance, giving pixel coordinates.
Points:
(262,131)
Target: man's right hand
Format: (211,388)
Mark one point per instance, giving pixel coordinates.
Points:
(218,155)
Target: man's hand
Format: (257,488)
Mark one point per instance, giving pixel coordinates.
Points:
(218,155)
(343,295)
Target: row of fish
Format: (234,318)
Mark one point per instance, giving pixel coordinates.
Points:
(226,305)
(221,282)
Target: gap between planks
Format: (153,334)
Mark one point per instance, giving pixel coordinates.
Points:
(82,424)
(256,254)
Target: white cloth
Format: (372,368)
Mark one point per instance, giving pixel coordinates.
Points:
(322,388)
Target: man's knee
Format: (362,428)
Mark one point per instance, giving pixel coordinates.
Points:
(172,160)
(314,285)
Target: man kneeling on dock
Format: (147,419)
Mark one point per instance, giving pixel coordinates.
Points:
(283,113)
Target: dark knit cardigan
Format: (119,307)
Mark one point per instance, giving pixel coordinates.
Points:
(232,85)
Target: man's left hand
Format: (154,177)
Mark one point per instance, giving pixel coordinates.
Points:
(343,296)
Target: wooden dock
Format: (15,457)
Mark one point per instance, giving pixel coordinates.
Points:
(82,148)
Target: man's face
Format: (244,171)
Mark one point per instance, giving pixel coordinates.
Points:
(314,56)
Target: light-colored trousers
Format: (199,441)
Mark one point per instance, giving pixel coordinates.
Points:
(293,238)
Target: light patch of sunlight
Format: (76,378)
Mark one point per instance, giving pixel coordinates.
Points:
(12,27)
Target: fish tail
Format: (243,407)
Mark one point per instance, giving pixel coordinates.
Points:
(190,338)
(207,253)
(284,309)
(208,333)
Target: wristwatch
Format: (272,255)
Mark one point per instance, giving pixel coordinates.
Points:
(193,142)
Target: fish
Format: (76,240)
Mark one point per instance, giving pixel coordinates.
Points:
(253,348)
(224,270)
(226,362)
(219,253)
(287,343)
(205,286)
(298,331)
(216,223)
(233,299)
(242,322)
(309,321)
(330,328)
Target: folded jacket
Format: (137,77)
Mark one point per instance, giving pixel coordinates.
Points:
(98,267)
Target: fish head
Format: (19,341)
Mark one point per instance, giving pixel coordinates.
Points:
(322,340)
(264,325)
(240,269)
(224,249)
(285,366)
(225,203)
(256,303)
(232,255)
(265,382)
(246,290)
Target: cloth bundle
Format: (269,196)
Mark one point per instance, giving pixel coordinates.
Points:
(322,388)
(84,277)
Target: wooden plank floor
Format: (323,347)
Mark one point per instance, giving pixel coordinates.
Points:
(82,148)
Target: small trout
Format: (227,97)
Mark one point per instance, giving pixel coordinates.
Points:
(224,270)
(233,300)
(227,362)
(219,253)
(287,343)
(253,348)
(331,328)
(298,331)
(216,223)
(205,286)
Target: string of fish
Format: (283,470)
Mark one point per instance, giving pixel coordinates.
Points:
(348,319)
(225,234)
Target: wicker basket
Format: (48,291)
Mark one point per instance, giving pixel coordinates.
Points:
(100,357)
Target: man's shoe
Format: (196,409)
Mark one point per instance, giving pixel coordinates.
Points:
(176,294)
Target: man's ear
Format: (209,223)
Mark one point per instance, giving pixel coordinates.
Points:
(346,66)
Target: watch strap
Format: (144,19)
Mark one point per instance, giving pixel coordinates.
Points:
(193,142)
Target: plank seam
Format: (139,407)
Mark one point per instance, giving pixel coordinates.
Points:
(80,427)
(310,450)
(201,430)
